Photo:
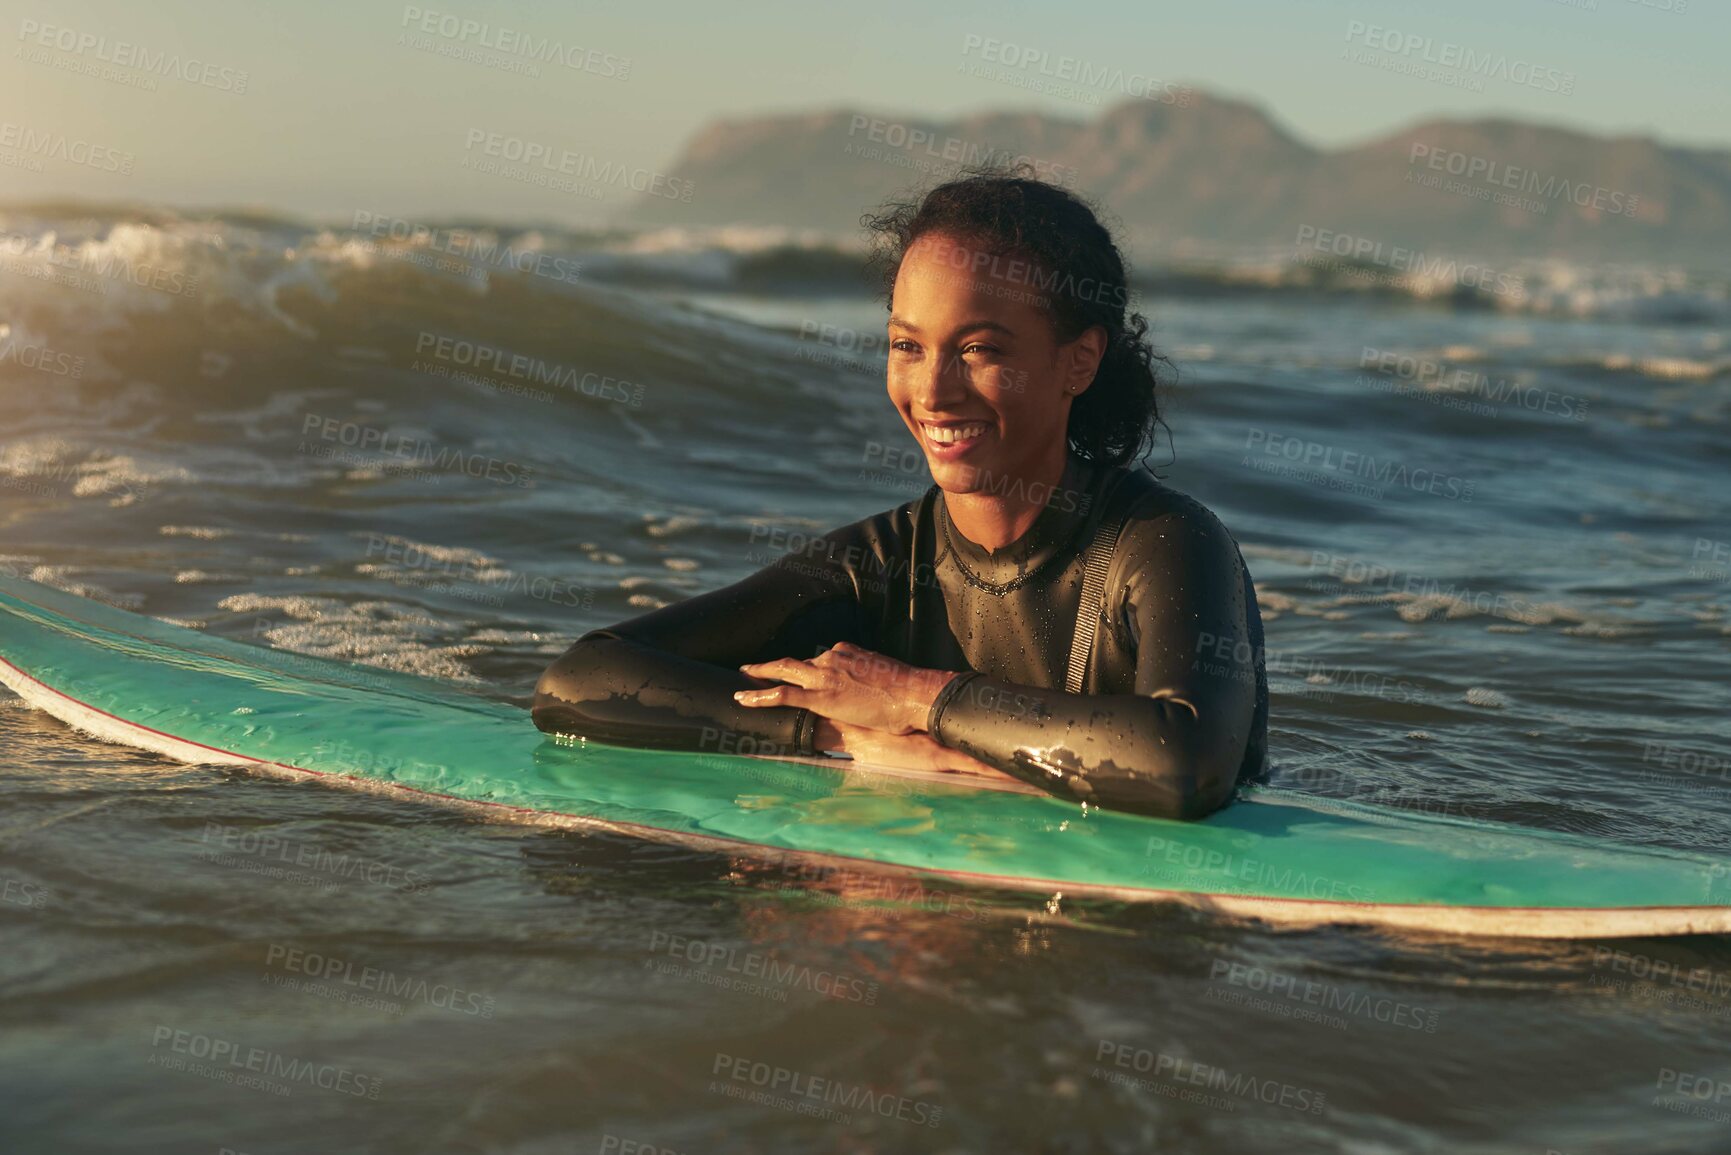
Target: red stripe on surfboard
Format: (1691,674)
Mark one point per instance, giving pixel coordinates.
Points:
(1010,880)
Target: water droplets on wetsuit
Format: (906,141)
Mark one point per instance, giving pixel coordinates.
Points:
(1173,711)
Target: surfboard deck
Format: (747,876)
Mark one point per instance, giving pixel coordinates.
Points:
(1273,855)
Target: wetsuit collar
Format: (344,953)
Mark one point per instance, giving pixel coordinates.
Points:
(1054,530)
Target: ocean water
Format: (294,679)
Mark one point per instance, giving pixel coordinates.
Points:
(1490,539)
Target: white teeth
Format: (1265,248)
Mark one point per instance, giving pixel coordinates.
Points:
(952,434)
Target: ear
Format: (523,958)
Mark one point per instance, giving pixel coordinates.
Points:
(1079,360)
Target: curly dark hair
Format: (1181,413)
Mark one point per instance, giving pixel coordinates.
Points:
(1077,274)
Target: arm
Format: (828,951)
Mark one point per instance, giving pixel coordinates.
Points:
(666,678)
(1173,747)
(916,751)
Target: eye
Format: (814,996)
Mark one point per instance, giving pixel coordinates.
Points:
(980,345)
(903,345)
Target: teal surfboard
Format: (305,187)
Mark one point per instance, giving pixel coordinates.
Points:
(1273,855)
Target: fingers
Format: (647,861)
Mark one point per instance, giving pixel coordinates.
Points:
(813,674)
(866,666)
(845,679)
(784,695)
(841,655)
(786,670)
(798,679)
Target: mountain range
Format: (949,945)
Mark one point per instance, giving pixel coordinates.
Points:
(1205,174)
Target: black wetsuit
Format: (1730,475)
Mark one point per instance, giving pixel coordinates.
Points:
(1179,621)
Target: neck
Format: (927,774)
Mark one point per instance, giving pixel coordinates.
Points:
(995,520)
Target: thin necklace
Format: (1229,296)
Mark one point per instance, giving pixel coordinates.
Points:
(1002,588)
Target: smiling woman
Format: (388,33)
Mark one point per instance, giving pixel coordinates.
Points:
(1046,610)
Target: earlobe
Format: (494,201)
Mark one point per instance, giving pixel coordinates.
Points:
(1087,350)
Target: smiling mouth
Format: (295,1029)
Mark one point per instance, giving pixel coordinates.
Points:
(962,434)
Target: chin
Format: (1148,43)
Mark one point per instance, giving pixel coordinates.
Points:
(960,476)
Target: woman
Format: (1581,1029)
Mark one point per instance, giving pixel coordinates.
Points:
(954,632)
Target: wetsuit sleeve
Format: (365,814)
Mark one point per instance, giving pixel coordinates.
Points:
(666,679)
(1172,748)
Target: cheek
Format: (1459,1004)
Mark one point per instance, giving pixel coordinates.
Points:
(1016,395)
(897,390)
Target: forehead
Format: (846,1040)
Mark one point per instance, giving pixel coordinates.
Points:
(943,277)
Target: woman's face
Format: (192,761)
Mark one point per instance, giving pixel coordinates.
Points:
(976,370)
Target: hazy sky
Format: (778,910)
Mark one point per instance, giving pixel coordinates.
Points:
(338,114)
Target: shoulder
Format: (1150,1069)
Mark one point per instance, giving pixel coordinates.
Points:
(1168,533)
(873,541)
(889,531)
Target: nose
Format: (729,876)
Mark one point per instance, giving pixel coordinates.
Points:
(938,383)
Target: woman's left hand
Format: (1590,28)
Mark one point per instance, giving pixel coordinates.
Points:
(851,684)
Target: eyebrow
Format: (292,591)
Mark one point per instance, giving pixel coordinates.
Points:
(965,327)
